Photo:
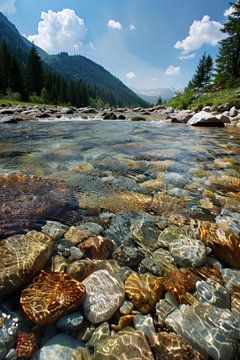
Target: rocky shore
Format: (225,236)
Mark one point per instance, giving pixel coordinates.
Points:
(224,115)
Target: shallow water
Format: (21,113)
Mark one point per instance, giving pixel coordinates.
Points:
(99,159)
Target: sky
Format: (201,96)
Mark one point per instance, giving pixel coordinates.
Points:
(148,44)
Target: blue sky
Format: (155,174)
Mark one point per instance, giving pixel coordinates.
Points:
(146,43)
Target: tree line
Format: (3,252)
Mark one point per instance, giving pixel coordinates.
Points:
(37,82)
(227,70)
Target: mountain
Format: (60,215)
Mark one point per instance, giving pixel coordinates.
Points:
(152,95)
(75,67)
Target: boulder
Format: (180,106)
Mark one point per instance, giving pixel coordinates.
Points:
(233,112)
(204,118)
(22,256)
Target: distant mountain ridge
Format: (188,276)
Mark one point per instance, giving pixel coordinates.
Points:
(152,95)
(74,67)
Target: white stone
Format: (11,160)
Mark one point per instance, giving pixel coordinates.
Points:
(204,118)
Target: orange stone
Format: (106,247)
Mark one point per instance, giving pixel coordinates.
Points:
(97,247)
(144,291)
(180,282)
(50,296)
(27,344)
(224,243)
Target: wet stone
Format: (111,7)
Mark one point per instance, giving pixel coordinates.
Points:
(22,257)
(60,347)
(75,253)
(178,283)
(171,346)
(188,252)
(99,334)
(50,296)
(126,308)
(58,264)
(9,325)
(146,233)
(75,235)
(231,278)
(144,291)
(27,344)
(104,295)
(55,229)
(147,265)
(128,256)
(213,293)
(70,322)
(144,324)
(126,344)
(98,248)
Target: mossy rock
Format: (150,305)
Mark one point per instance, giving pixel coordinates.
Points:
(138,118)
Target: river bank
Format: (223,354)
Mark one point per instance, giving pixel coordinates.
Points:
(223,115)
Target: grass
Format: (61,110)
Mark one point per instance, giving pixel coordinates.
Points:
(190,100)
(17,102)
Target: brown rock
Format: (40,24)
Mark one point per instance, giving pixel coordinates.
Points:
(98,248)
(226,182)
(211,272)
(81,269)
(144,291)
(224,243)
(163,203)
(28,199)
(170,346)
(180,282)
(235,299)
(75,235)
(27,344)
(50,296)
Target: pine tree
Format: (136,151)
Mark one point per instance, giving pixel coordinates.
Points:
(5,59)
(34,72)
(203,74)
(228,60)
(159,102)
(15,77)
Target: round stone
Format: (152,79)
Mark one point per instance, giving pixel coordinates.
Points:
(188,252)
(104,295)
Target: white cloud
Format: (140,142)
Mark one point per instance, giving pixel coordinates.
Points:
(114,25)
(172,70)
(131,75)
(60,31)
(229,11)
(186,55)
(7,6)
(132,27)
(201,32)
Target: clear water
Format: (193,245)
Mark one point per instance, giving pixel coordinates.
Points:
(104,158)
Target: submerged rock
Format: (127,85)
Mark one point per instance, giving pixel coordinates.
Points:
(126,344)
(50,296)
(9,326)
(212,331)
(27,344)
(188,252)
(60,347)
(98,248)
(22,256)
(144,291)
(28,200)
(104,295)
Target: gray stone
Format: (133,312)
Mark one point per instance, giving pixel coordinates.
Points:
(10,119)
(60,347)
(11,355)
(70,322)
(188,252)
(66,111)
(55,229)
(233,112)
(76,253)
(204,118)
(104,295)
(231,278)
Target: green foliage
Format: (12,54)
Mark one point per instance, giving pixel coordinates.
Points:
(182,100)
(228,60)
(34,72)
(15,96)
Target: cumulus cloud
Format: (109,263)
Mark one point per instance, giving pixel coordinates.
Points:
(114,25)
(201,32)
(132,27)
(186,55)
(131,75)
(7,6)
(172,70)
(229,11)
(60,31)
